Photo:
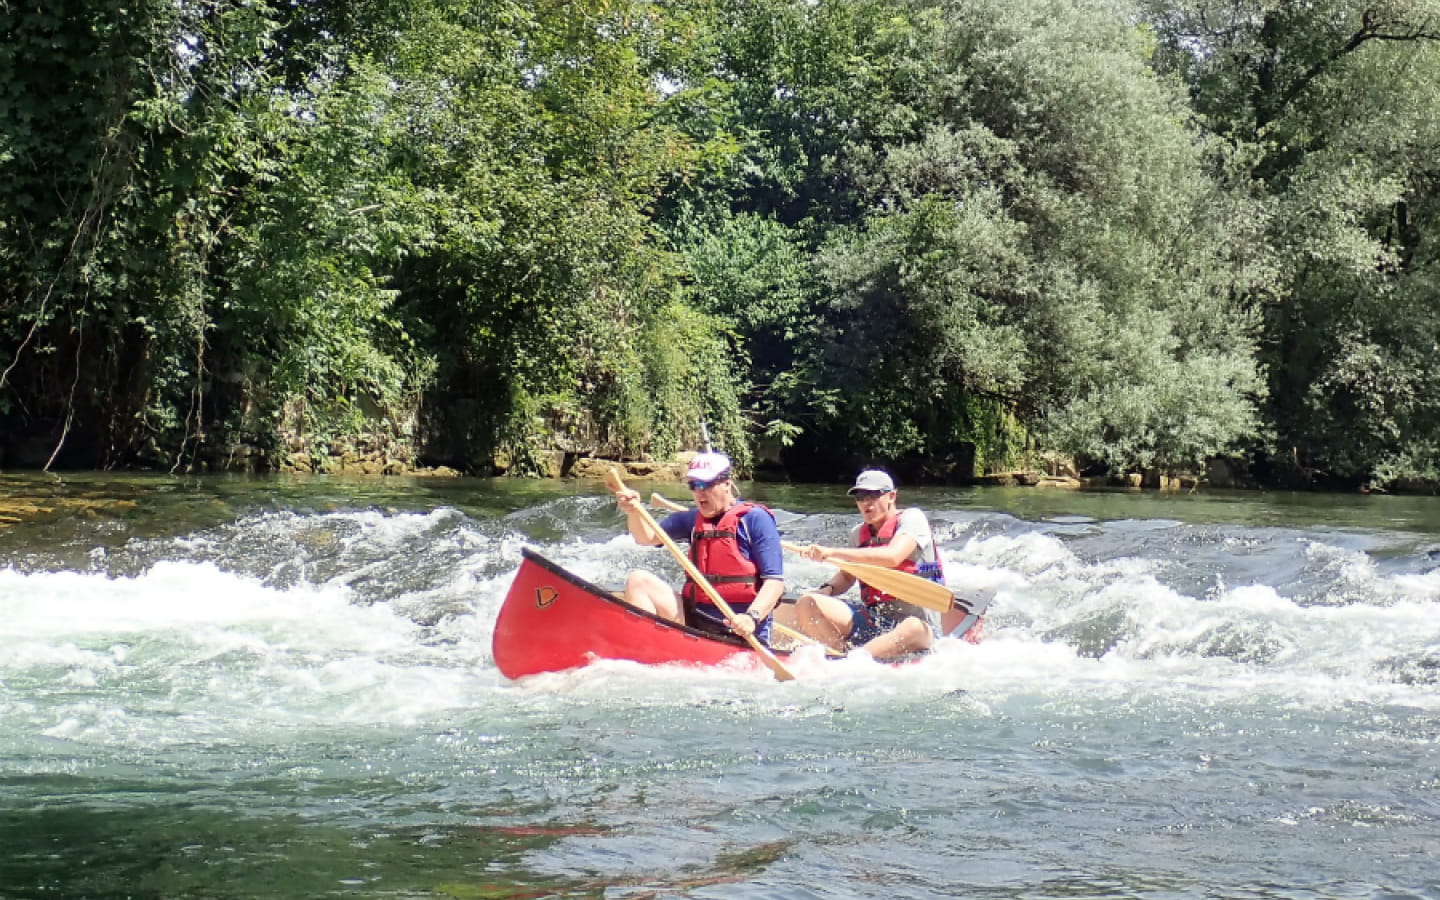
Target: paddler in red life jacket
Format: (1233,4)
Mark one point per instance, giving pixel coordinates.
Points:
(896,539)
(733,543)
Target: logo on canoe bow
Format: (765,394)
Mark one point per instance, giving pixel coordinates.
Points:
(544,596)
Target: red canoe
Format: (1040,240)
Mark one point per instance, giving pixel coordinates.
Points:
(553,620)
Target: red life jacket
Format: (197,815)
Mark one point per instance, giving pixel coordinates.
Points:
(879,537)
(715,551)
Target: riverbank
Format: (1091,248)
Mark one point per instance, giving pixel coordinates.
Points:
(26,498)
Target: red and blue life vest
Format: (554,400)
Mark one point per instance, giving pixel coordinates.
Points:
(715,551)
(879,537)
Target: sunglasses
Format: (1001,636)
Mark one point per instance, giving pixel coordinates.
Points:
(861,496)
(704,485)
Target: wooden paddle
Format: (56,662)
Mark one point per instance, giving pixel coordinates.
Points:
(801,637)
(659,501)
(900,585)
(616,483)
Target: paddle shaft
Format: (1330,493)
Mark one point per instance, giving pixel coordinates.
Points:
(662,502)
(616,483)
(901,585)
(802,638)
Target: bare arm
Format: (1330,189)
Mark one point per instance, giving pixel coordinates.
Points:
(636,519)
(766,599)
(890,556)
(838,584)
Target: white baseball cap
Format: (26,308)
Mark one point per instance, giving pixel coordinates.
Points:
(872,480)
(708,467)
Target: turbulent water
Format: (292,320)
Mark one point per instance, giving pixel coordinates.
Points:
(269,688)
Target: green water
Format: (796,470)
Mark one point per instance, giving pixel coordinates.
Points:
(148,505)
(238,687)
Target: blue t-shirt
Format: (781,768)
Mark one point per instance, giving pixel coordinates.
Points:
(757,535)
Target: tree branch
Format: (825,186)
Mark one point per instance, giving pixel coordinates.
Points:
(1371,29)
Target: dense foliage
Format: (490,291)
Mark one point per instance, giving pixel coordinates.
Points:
(943,234)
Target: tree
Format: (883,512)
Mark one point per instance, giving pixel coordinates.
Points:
(1333,102)
(532,133)
(274,224)
(1010,219)
(175,269)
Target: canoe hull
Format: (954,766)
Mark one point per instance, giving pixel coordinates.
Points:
(553,620)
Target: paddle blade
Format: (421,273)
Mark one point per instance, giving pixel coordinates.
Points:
(921,592)
(901,585)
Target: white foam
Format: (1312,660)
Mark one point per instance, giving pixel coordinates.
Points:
(185,651)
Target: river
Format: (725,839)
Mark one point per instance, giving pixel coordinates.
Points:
(238,687)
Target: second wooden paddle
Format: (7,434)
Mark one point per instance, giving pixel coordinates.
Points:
(901,585)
